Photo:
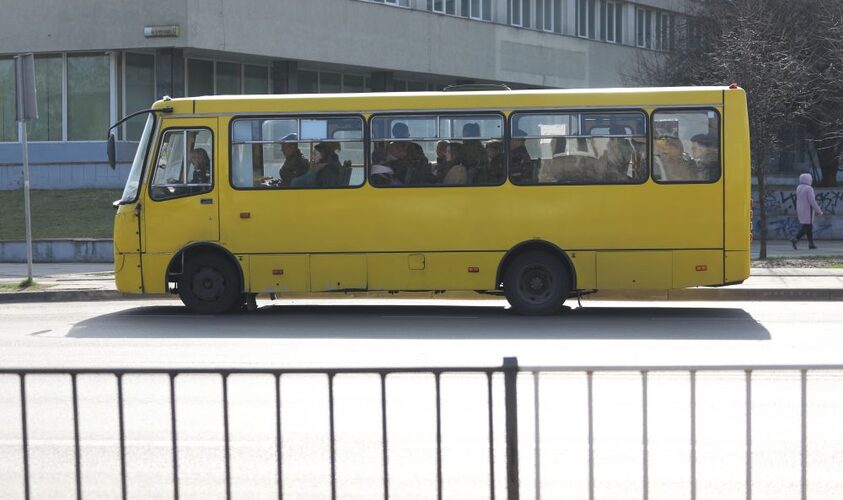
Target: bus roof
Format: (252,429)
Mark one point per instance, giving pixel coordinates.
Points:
(497,99)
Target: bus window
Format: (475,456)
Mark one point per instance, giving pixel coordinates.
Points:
(297,153)
(579,148)
(184,164)
(432,150)
(686,146)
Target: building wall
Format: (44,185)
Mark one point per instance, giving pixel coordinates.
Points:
(380,42)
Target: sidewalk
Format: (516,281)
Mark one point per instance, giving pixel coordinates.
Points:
(74,282)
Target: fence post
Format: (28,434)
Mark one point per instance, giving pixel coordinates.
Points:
(510,380)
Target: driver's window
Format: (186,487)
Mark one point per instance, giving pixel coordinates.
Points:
(184,165)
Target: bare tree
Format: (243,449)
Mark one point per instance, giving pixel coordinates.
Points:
(766,46)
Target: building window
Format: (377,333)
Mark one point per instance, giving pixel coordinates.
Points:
(88,96)
(227,78)
(476,9)
(8,125)
(200,77)
(520,13)
(644,28)
(48,77)
(664,31)
(442,6)
(353,83)
(400,3)
(549,15)
(255,79)
(612,22)
(586,18)
(138,79)
(330,83)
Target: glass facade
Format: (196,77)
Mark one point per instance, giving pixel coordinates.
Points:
(200,77)
(88,96)
(48,75)
(140,90)
(255,79)
(228,78)
(8,125)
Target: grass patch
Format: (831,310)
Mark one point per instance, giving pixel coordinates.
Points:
(74,213)
(26,284)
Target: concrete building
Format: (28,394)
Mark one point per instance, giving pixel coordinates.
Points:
(98,60)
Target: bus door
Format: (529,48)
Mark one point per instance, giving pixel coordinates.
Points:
(183,202)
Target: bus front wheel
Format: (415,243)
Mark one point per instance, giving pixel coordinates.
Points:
(536,283)
(209,284)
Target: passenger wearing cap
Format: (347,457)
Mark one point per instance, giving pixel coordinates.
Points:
(295,164)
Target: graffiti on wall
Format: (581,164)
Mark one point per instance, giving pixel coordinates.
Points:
(784,228)
(784,202)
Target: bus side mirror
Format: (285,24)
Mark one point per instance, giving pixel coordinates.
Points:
(112,157)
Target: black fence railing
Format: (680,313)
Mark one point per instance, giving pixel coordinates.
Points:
(500,392)
(509,371)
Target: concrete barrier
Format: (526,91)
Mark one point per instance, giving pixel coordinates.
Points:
(59,250)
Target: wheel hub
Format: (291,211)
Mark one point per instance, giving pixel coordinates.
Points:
(208,284)
(536,283)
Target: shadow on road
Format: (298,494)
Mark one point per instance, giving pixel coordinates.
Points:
(427,322)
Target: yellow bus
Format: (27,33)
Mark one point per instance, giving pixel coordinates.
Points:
(539,195)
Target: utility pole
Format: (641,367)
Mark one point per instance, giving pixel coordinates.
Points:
(27,110)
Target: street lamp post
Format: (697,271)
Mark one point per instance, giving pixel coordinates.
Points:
(27,110)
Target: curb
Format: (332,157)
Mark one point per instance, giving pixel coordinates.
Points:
(678,295)
(63,296)
(725,294)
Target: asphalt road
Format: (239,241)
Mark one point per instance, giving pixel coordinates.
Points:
(354,333)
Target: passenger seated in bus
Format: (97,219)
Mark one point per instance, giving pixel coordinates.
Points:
(669,159)
(440,168)
(295,164)
(497,169)
(418,166)
(400,130)
(520,162)
(324,168)
(201,165)
(457,173)
(619,161)
(706,156)
(573,162)
(474,157)
(408,161)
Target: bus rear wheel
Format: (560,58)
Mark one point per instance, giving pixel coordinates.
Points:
(209,284)
(536,283)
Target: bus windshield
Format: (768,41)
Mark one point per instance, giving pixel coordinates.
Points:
(130,192)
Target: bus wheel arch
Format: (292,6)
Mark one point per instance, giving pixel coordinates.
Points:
(208,278)
(548,266)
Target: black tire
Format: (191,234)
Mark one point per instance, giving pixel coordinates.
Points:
(536,283)
(209,284)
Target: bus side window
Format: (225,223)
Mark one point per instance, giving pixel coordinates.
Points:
(686,146)
(184,165)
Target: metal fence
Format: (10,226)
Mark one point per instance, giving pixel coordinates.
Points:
(502,443)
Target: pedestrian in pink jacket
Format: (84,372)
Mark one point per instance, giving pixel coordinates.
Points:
(806,207)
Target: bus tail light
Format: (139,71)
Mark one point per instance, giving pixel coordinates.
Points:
(473,269)
(702,267)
